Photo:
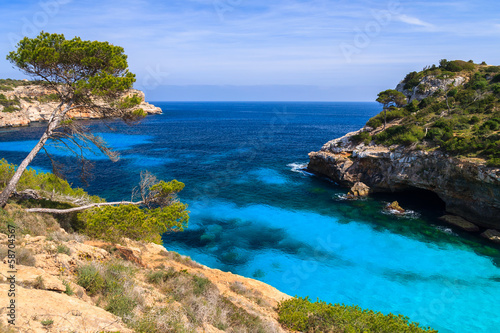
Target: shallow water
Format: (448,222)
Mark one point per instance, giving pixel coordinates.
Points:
(255,213)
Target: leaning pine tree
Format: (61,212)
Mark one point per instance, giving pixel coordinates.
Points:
(94,76)
(83,74)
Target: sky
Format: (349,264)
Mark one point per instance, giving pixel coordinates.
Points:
(265,50)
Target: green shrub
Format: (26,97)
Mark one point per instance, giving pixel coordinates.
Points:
(161,276)
(400,135)
(375,122)
(492,69)
(47,322)
(113,223)
(300,314)
(49,98)
(6,88)
(392,114)
(200,285)
(493,162)
(412,106)
(496,79)
(491,125)
(24,256)
(69,291)
(456,65)
(90,278)
(61,248)
(412,80)
(121,305)
(474,120)
(362,137)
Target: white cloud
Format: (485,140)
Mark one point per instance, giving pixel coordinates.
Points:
(414,21)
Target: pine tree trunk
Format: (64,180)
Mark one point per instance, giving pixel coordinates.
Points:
(11,186)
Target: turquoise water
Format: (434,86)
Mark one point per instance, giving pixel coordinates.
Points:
(255,213)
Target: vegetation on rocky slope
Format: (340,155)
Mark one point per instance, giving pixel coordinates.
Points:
(300,314)
(459,119)
(10,84)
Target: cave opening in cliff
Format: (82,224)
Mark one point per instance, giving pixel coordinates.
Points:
(416,199)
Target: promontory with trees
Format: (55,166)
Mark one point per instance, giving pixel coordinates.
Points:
(439,131)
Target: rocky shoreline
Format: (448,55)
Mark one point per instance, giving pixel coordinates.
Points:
(34,105)
(469,189)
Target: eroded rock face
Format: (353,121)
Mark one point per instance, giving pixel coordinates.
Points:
(469,188)
(32,110)
(429,85)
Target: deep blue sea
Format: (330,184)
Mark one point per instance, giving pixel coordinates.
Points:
(255,213)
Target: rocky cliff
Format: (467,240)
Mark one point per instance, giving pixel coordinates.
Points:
(445,140)
(468,187)
(34,103)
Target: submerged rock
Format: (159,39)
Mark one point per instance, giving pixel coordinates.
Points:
(460,222)
(492,235)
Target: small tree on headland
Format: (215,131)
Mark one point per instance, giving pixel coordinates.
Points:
(390,98)
(83,74)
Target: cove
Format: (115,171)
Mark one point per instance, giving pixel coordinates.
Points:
(255,213)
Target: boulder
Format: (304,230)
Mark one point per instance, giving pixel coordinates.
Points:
(69,314)
(492,235)
(462,223)
(395,207)
(359,190)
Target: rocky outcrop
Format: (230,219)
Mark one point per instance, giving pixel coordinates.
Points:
(43,303)
(459,222)
(358,190)
(469,188)
(395,208)
(35,106)
(492,235)
(429,85)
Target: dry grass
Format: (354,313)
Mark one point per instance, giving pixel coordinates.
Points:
(27,223)
(251,294)
(24,256)
(201,302)
(185,260)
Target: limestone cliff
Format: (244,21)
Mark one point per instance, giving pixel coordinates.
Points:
(33,104)
(468,187)
(429,85)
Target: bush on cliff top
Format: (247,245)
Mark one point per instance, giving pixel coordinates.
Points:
(115,222)
(301,314)
(460,121)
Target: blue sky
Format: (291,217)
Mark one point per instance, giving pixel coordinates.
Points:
(318,50)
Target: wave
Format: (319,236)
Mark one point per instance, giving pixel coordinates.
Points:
(445,229)
(410,214)
(299,168)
